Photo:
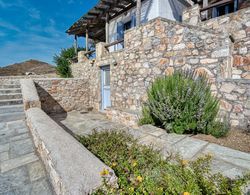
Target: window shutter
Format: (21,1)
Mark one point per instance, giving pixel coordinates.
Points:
(133,20)
(120,31)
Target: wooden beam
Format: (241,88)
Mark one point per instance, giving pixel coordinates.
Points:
(138,12)
(114,43)
(220,3)
(75,44)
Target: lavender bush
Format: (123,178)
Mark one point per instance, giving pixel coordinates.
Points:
(182,103)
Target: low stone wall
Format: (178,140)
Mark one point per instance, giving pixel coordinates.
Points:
(29,93)
(63,95)
(73,170)
(15,79)
(126,117)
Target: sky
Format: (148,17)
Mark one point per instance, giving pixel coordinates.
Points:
(35,29)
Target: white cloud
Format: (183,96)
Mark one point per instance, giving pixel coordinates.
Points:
(5,4)
(8,26)
(34,13)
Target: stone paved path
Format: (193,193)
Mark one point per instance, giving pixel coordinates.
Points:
(227,161)
(21,171)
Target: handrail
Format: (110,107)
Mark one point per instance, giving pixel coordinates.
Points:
(216,5)
(114,43)
(89,52)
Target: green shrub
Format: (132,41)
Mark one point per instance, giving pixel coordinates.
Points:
(142,170)
(181,103)
(63,61)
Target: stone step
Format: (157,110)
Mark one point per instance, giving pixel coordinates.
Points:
(9,86)
(10,96)
(11,109)
(7,117)
(10,82)
(8,91)
(11,102)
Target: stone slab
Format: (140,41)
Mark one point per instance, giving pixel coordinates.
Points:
(21,147)
(4,147)
(150,129)
(13,179)
(36,171)
(235,157)
(227,169)
(172,138)
(18,124)
(4,156)
(18,162)
(189,147)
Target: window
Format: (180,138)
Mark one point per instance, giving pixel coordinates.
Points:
(127,25)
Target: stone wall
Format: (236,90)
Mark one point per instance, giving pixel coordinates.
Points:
(237,27)
(15,79)
(63,95)
(156,49)
(235,102)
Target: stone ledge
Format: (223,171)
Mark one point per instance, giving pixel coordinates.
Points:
(127,117)
(30,95)
(71,167)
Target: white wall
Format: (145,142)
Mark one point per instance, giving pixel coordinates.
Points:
(171,9)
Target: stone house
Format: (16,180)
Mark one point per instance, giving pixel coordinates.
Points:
(119,75)
(108,20)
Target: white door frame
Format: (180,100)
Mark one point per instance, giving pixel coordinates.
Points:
(105,88)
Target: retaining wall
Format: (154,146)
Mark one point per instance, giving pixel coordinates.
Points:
(63,95)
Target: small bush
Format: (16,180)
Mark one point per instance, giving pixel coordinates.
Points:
(63,61)
(142,170)
(181,103)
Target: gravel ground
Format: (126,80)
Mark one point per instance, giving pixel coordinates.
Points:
(236,139)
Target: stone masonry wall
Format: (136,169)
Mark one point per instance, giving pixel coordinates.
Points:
(63,95)
(235,25)
(235,102)
(15,79)
(156,49)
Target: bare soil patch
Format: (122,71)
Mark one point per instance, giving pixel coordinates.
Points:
(236,139)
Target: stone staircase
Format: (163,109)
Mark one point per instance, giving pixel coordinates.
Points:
(11,102)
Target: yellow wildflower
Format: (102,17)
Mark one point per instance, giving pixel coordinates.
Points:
(134,164)
(184,162)
(104,172)
(160,189)
(186,193)
(131,189)
(139,179)
(114,164)
(210,154)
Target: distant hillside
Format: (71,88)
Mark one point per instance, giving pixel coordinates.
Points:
(34,66)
